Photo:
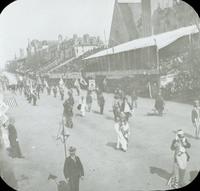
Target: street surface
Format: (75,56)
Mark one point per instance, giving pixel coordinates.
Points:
(145,166)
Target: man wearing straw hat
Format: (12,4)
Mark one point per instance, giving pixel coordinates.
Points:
(73,169)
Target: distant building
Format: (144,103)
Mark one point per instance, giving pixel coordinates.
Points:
(46,55)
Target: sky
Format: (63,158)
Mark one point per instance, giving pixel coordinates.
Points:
(46,19)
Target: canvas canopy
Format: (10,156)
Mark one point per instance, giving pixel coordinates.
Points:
(161,40)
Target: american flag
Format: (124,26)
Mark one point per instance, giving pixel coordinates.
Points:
(173,182)
(10,101)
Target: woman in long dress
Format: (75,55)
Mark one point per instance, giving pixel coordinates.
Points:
(123,132)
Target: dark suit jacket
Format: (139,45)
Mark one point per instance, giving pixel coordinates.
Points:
(73,169)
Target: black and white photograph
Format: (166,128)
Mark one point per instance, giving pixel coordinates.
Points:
(99,95)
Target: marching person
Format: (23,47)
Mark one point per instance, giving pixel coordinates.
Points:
(134,99)
(159,104)
(101,102)
(30,95)
(55,91)
(77,86)
(181,157)
(116,107)
(62,93)
(89,100)
(123,132)
(126,107)
(73,169)
(82,106)
(48,90)
(118,92)
(27,94)
(71,98)
(34,97)
(196,118)
(68,111)
(105,83)
(38,89)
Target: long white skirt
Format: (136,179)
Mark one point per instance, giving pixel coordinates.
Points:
(122,142)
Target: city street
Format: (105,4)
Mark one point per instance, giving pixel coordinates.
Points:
(114,53)
(145,166)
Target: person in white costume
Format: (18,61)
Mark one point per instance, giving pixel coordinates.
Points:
(123,132)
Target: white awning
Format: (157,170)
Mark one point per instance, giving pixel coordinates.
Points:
(164,39)
(161,40)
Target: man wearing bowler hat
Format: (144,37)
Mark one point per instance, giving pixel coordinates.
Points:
(73,170)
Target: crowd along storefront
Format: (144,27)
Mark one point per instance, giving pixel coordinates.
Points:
(137,64)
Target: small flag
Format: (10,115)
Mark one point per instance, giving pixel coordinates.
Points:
(10,101)
(3,107)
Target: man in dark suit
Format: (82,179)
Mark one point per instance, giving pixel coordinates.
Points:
(14,151)
(73,170)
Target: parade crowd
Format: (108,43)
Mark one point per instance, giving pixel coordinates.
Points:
(123,108)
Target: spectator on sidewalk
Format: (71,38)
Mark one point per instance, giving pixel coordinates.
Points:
(34,97)
(15,151)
